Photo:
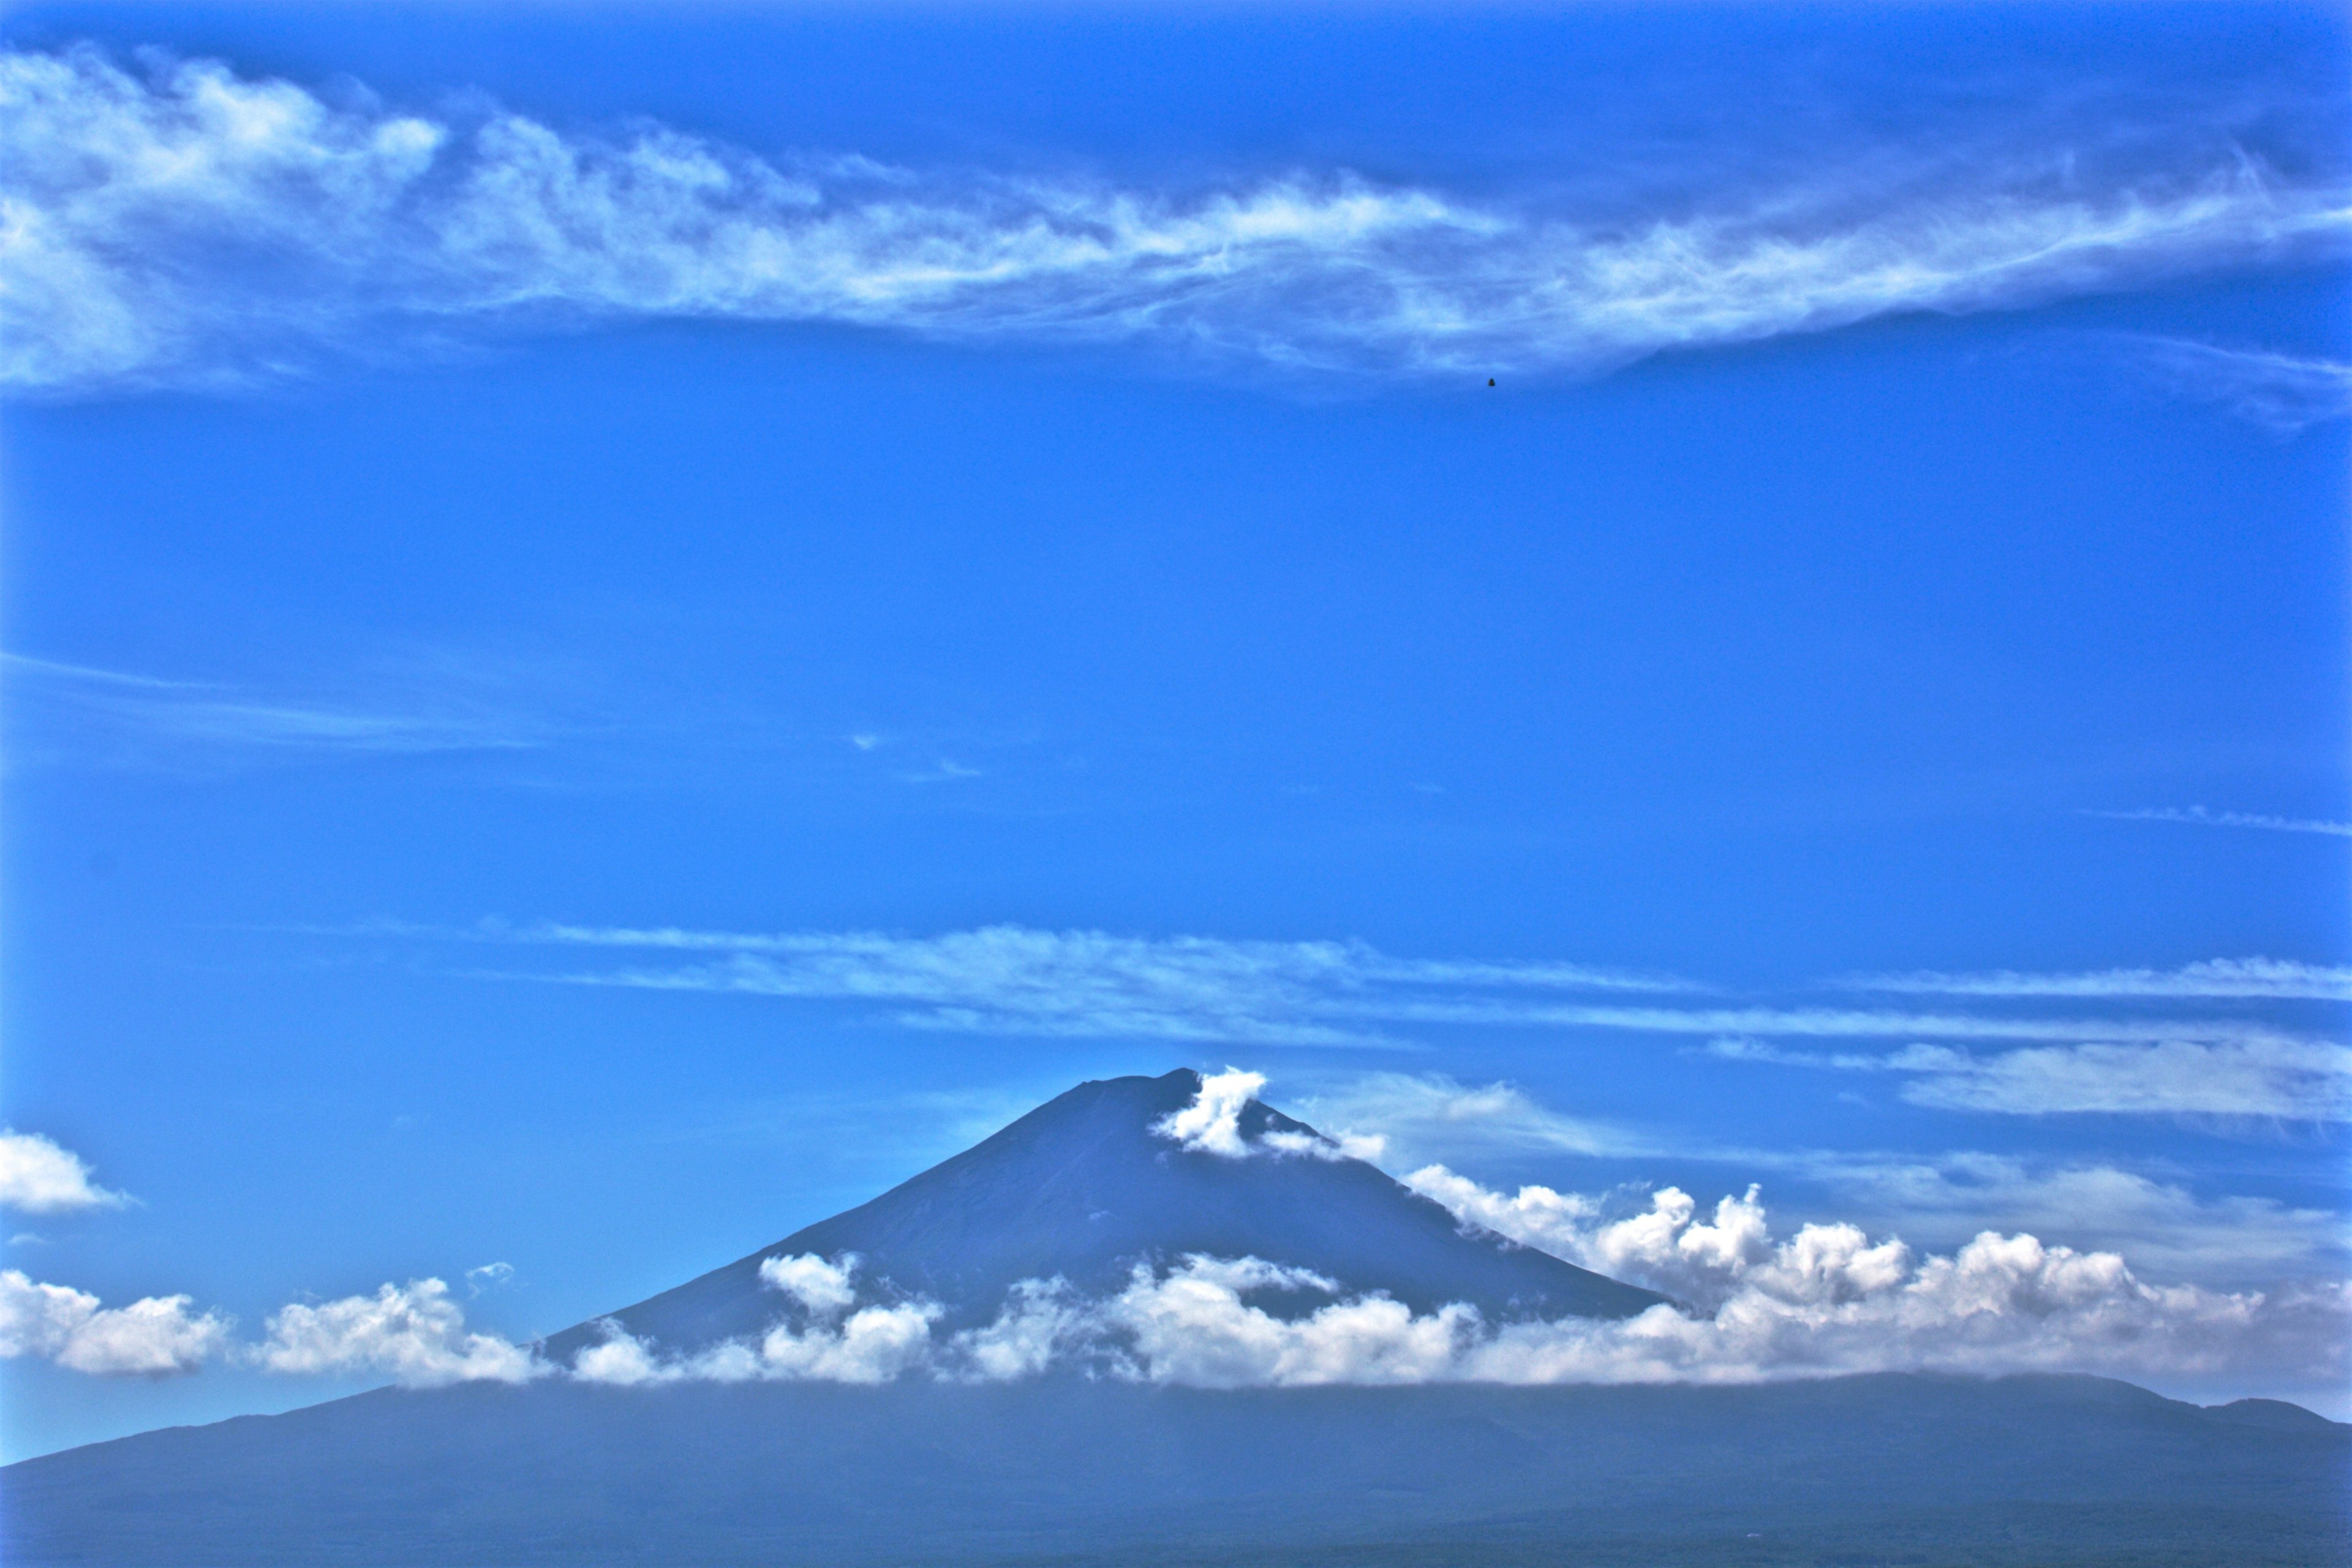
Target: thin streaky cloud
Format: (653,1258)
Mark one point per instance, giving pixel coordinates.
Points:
(2283,392)
(2198,815)
(194,226)
(52,669)
(2215,977)
(2295,1080)
(1014,980)
(154,710)
(1339,961)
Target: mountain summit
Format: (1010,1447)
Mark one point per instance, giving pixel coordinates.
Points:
(1091,1183)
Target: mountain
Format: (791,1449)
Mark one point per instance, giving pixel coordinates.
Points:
(1083,1187)
(1082,1468)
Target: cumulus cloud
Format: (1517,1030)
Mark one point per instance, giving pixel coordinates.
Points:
(152,1337)
(1753,1306)
(188,222)
(2229,1240)
(39,1176)
(828,1343)
(414,1333)
(1827,1300)
(1212,1123)
(1831,1298)
(2287,1078)
(1192,1325)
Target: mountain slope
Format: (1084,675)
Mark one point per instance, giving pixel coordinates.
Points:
(1082,1186)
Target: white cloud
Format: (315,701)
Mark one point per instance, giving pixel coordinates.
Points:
(1040,1320)
(489,1277)
(191,223)
(1831,1300)
(823,1289)
(150,710)
(2197,816)
(1192,1326)
(2230,1241)
(150,1337)
(1211,1123)
(38,1176)
(1826,1301)
(1414,1114)
(1016,980)
(873,1345)
(415,1334)
(2284,392)
(2287,1078)
(2212,977)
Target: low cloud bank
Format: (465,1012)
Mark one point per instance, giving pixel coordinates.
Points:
(1825,1301)
(185,222)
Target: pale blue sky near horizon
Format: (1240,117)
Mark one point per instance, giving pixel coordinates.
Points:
(374,629)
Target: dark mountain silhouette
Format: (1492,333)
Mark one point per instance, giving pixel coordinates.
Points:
(2029,1472)
(1082,1187)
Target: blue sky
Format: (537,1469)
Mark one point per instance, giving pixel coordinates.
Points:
(626,626)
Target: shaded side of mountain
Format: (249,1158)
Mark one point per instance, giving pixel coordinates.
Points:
(1081,1187)
(2275,1413)
(2041,1470)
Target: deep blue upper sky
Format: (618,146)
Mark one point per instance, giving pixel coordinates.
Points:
(1785,657)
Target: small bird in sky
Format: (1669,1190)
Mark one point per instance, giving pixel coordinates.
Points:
(1490,381)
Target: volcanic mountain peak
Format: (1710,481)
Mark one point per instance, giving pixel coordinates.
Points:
(1137,1170)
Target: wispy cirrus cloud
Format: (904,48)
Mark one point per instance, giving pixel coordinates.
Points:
(2305,1080)
(124,714)
(2286,393)
(187,224)
(1015,980)
(2217,978)
(2198,816)
(1020,981)
(1422,1116)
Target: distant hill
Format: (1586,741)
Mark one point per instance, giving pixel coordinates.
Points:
(1081,1187)
(2029,1472)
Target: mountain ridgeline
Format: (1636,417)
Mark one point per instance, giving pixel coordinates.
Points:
(1083,1188)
